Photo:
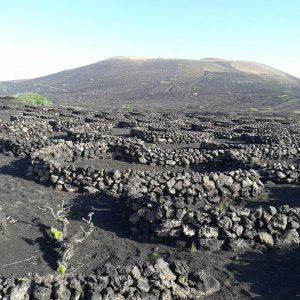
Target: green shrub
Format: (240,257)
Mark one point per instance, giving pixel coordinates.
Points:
(223,206)
(33,99)
(193,249)
(61,269)
(57,234)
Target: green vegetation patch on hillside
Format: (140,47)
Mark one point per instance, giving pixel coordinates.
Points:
(31,98)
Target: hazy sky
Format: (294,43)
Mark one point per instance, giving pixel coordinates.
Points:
(39,37)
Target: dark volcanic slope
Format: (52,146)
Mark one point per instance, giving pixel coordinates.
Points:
(208,84)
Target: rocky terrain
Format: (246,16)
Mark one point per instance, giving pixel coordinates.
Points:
(156,83)
(106,204)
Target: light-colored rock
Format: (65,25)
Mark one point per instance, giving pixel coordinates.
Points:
(266,238)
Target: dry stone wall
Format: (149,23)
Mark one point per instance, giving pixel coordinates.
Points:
(151,280)
(216,227)
(169,136)
(184,206)
(203,210)
(281,173)
(193,187)
(160,204)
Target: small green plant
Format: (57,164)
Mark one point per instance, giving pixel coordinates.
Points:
(22,279)
(57,234)
(193,248)
(33,99)
(155,254)
(223,205)
(61,236)
(61,269)
(129,109)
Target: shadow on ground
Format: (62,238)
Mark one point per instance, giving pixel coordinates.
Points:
(213,167)
(107,212)
(278,195)
(47,245)
(17,168)
(275,275)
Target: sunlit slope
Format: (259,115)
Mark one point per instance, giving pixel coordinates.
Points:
(208,84)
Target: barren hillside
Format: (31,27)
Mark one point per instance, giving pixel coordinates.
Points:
(207,84)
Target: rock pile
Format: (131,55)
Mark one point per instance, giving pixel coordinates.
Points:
(253,153)
(169,136)
(183,193)
(23,148)
(213,153)
(89,132)
(215,227)
(65,124)
(157,280)
(67,151)
(252,131)
(197,187)
(30,127)
(280,173)
(156,156)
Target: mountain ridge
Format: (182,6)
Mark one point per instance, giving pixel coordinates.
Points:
(209,83)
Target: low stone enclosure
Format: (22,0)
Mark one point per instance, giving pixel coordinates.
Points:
(157,280)
(172,204)
(164,197)
(166,135)
(180,205)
